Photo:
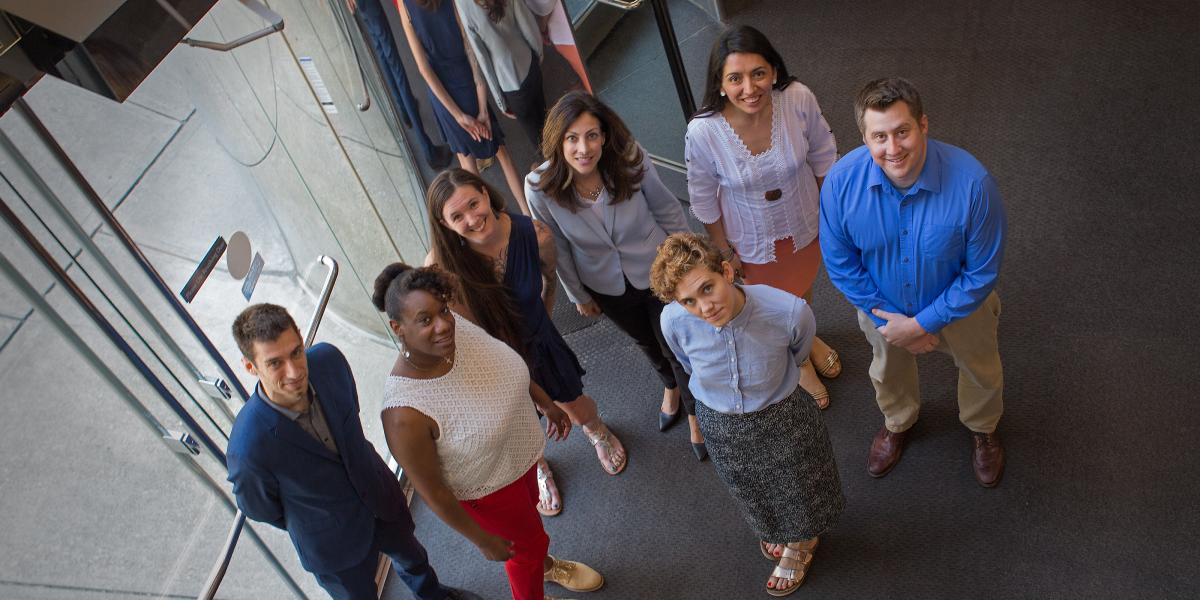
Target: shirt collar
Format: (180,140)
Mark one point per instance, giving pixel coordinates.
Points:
(743,317)
(930,178)
(287,412)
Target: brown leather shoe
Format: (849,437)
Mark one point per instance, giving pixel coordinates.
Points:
(885,451)
(988,458)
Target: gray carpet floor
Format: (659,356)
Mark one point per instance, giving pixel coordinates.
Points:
(1084,112)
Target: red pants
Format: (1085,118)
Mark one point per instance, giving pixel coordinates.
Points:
(511,513)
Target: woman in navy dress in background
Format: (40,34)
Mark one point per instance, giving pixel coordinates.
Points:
(456,88)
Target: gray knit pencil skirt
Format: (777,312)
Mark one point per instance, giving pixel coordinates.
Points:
(778,465)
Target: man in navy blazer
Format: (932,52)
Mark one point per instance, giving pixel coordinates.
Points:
(298,460)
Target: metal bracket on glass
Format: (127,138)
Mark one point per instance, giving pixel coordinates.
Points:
(275,20)
(182,442)
(216,388)
(622,4)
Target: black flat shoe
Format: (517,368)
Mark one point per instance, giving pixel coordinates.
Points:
(665,421)
(700,450)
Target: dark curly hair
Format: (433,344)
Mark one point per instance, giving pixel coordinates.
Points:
(398,279)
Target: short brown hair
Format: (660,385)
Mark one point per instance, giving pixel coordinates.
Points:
(261,323)
(882,93)
(677,256)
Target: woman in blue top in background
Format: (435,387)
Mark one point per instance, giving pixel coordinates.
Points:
(456,88)
(742,347)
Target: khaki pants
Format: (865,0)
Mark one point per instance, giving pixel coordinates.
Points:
(971,342)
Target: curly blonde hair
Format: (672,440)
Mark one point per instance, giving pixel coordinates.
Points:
(677,256)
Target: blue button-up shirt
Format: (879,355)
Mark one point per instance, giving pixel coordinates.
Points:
(751,362)
(932,253)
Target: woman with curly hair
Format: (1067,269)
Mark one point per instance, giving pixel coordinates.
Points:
(743,346)
(456,417)
(600,195)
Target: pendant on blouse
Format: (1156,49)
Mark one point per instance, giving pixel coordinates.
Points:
(773,195)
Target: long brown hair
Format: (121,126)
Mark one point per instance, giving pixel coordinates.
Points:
(620,158)
(488,299)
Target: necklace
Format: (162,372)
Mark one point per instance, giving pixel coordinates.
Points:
(592,195)
(408,359)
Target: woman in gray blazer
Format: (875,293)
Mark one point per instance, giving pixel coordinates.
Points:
(608,210)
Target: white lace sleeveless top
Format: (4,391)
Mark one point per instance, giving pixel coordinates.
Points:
(489,432)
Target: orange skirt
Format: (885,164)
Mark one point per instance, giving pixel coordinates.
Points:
(791,271)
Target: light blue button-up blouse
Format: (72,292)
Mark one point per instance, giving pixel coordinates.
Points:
(751,362)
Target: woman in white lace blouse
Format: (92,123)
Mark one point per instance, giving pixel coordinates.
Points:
(756,155)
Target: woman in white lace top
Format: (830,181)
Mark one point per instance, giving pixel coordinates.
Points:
(756,154)
(457,418)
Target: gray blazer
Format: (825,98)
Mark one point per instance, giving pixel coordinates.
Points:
(588,255)
(505,50)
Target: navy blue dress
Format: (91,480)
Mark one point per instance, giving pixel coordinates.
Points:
(438,32)
(552,363)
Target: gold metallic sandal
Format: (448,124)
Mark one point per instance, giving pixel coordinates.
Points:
(831,367)
(801,559)
(600,439)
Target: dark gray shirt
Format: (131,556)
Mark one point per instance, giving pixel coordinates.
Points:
(312,420)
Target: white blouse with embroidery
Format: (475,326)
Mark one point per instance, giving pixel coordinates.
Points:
(727,182)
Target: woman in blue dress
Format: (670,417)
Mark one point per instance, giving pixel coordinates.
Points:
(505,265)
(457,90)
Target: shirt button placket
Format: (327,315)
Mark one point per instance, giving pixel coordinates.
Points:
(907,250)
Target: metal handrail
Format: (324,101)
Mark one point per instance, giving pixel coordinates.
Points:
(275,20)
(323,300)
(622,4)
(668,164)
(217,575)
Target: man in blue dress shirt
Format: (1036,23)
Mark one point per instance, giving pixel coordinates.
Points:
(912,232)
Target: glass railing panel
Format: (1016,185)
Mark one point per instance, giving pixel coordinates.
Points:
(95,504)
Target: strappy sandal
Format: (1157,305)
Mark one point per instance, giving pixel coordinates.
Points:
(600,439)
(831,367)
(822,398)
(545,479)
(801,558)
(822,395)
